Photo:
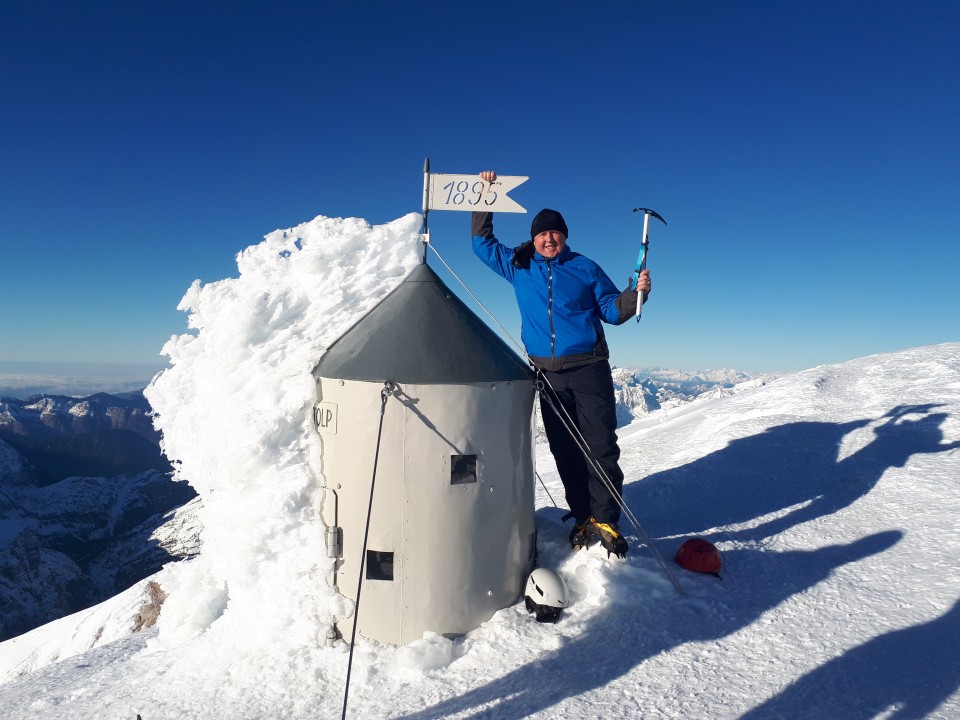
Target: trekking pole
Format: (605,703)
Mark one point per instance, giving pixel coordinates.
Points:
(545,389)
(642,259)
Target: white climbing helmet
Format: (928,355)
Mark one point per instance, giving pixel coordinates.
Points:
(546,595)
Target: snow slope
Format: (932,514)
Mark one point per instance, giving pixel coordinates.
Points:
(832,492)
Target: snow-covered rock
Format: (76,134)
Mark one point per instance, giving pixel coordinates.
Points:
(74,543)
(13,468)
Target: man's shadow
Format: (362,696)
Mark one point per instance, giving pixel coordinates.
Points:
(906,673)
(626,633)
(790,472)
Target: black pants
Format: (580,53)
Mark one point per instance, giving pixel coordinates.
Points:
(586,393)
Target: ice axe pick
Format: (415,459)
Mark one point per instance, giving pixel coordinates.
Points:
(642,258)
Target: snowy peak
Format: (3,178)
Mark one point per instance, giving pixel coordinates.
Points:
(816,486)
(99,435)
(641,391)
(58,416)
(832,494)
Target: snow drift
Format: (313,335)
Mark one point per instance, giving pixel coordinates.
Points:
(234,410)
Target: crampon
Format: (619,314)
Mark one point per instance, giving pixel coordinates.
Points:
(609,536)
(580,535)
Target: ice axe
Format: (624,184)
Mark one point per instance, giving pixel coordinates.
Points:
(642,258)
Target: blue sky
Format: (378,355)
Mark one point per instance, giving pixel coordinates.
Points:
(805,156)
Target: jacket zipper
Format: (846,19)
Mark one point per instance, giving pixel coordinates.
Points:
(553,334)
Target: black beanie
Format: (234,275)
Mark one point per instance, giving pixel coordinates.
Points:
(548,219)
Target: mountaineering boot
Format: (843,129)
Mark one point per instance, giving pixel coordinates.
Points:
(580,535)
(609,536)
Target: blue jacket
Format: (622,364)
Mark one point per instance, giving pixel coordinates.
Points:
(562,301)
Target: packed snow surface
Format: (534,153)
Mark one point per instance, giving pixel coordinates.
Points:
(833,494)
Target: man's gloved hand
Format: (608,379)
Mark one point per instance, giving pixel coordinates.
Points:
(523,254)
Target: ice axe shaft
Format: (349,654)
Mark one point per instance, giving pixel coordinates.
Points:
(642,259)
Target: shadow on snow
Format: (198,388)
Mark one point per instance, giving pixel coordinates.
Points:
(780,468)
(623,635)
(771,473)
(906,674)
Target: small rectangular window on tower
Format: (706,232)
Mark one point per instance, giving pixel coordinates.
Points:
(379,565)
(463,469)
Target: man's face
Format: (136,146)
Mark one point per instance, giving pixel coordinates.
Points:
(549,243)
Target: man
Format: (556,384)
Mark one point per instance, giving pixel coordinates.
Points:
(563,297)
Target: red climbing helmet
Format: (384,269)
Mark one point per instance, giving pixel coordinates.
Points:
(700,556)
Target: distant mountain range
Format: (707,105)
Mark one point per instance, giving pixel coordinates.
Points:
(88,506)
(84,493)
(642,391)
(100,435)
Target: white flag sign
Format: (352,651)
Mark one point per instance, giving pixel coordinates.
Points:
(469,192)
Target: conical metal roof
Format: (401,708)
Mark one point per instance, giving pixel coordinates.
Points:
(421,333)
